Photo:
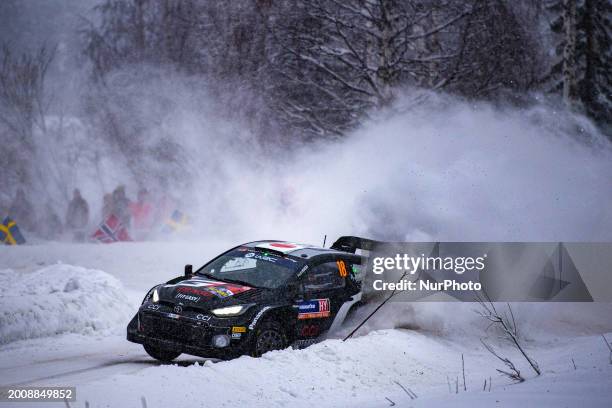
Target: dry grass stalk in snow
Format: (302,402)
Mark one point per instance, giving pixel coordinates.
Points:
(514,374)
(508,325)
(463,371)
(408,391)
(609,347)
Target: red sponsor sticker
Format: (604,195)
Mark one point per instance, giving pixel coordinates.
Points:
(309,330)
(238,289)
(283,245)
(194,291)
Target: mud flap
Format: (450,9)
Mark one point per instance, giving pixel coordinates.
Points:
(341,315)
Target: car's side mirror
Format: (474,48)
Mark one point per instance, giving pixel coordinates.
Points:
(188,270)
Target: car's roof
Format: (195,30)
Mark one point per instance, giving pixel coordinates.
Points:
(293,248)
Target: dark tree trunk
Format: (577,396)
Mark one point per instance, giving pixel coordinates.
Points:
(569,52)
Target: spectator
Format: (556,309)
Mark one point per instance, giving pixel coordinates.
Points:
(22,211)
(121,206)
(77,216)
(142,214)
(51,226)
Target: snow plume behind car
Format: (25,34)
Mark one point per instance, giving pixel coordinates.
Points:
(59,299)
(445,170)
(440,169)
(537,321)
(449,170)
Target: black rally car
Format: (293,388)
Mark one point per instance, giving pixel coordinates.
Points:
(256,297)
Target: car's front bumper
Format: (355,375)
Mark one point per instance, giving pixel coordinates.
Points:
(186,335)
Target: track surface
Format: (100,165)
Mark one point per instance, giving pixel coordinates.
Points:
(73,360)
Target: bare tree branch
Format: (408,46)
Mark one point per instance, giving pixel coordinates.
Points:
(509,328)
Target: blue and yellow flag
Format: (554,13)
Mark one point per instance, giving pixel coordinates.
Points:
(10,234)
(176,222)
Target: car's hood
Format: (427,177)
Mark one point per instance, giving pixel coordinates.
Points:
(202,293)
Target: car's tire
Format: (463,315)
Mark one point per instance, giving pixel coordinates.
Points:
(269,335)
(160,354)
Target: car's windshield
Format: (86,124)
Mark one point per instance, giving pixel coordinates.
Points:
(252,267)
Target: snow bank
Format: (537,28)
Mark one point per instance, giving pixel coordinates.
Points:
(59,299)
(138,265)
(331,373)
(363,371)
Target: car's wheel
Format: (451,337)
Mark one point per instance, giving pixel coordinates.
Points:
(160,354)
(268,336)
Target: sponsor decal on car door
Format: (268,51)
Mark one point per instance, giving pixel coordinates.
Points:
(313,309)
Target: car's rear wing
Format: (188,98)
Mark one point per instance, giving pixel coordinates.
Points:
(352,244)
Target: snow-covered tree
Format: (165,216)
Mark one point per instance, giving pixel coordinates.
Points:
(23,106)
(316,68)
(497,50)
(337,60)
(341,58)
(141,31)
(581,70)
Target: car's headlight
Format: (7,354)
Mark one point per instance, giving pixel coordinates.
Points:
(155,296)
(230,310)
(149,297)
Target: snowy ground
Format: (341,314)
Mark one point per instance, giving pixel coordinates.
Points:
(96,288)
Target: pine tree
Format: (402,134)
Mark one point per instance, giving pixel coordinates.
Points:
(581,72)
(595,85)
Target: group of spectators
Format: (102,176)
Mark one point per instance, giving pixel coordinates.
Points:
(138,216)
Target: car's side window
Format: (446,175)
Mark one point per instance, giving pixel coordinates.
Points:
(324,277)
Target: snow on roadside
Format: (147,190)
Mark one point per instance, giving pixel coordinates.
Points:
(576,373)
(364,371)
(60,299)
(332,373)
(138,265)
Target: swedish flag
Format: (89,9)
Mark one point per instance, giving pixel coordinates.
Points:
(177,221)
(10,234)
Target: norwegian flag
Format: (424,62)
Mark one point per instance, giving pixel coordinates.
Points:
(111,230)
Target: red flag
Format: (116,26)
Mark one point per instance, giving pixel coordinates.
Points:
(111,230)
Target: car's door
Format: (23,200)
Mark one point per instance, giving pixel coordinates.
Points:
(324,293)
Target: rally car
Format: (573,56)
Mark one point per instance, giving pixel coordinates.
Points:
(254,298)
